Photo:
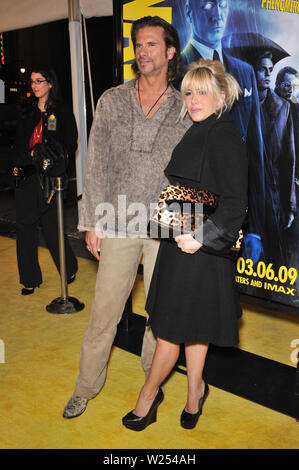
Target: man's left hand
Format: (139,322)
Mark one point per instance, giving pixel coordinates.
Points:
(188,244)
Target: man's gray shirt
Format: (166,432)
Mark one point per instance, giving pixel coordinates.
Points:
(126,158)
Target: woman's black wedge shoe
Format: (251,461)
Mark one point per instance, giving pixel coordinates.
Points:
(189,420)
(71,279)
(27,290)
(137,423)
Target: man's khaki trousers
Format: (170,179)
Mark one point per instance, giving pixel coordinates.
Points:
(119,261)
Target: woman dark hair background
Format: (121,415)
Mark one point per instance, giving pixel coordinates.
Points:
(49,74)
(26,105)
(45,123)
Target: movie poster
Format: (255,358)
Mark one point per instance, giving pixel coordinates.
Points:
(256,41)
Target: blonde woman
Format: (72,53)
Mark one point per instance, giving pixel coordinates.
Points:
(193,298)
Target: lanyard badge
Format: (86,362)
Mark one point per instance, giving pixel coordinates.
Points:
(52,123)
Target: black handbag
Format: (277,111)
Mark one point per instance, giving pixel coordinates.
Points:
(50,157)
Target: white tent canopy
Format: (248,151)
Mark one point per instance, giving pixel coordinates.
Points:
(18,14)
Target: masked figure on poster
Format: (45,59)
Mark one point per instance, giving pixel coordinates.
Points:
(286,86)
(279,158)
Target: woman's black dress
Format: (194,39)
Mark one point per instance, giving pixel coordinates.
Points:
(193,297)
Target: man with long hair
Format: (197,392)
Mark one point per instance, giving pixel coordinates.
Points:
(134,131)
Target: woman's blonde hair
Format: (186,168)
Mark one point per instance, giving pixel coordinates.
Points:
(209,76)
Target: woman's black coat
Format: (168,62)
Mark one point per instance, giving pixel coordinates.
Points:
(66,132)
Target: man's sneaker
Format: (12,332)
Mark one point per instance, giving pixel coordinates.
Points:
(75,407)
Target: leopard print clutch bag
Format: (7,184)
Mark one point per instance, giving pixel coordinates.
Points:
(182,210)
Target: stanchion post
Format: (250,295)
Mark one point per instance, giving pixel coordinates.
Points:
(64,303)
(59,188)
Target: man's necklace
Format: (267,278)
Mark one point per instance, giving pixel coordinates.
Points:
(138,91)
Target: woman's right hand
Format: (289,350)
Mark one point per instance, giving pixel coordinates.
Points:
(93,243)
(188,244)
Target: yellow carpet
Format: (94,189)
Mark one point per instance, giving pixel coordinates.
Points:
(41,364)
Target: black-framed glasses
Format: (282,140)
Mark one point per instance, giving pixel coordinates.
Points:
(38,81)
